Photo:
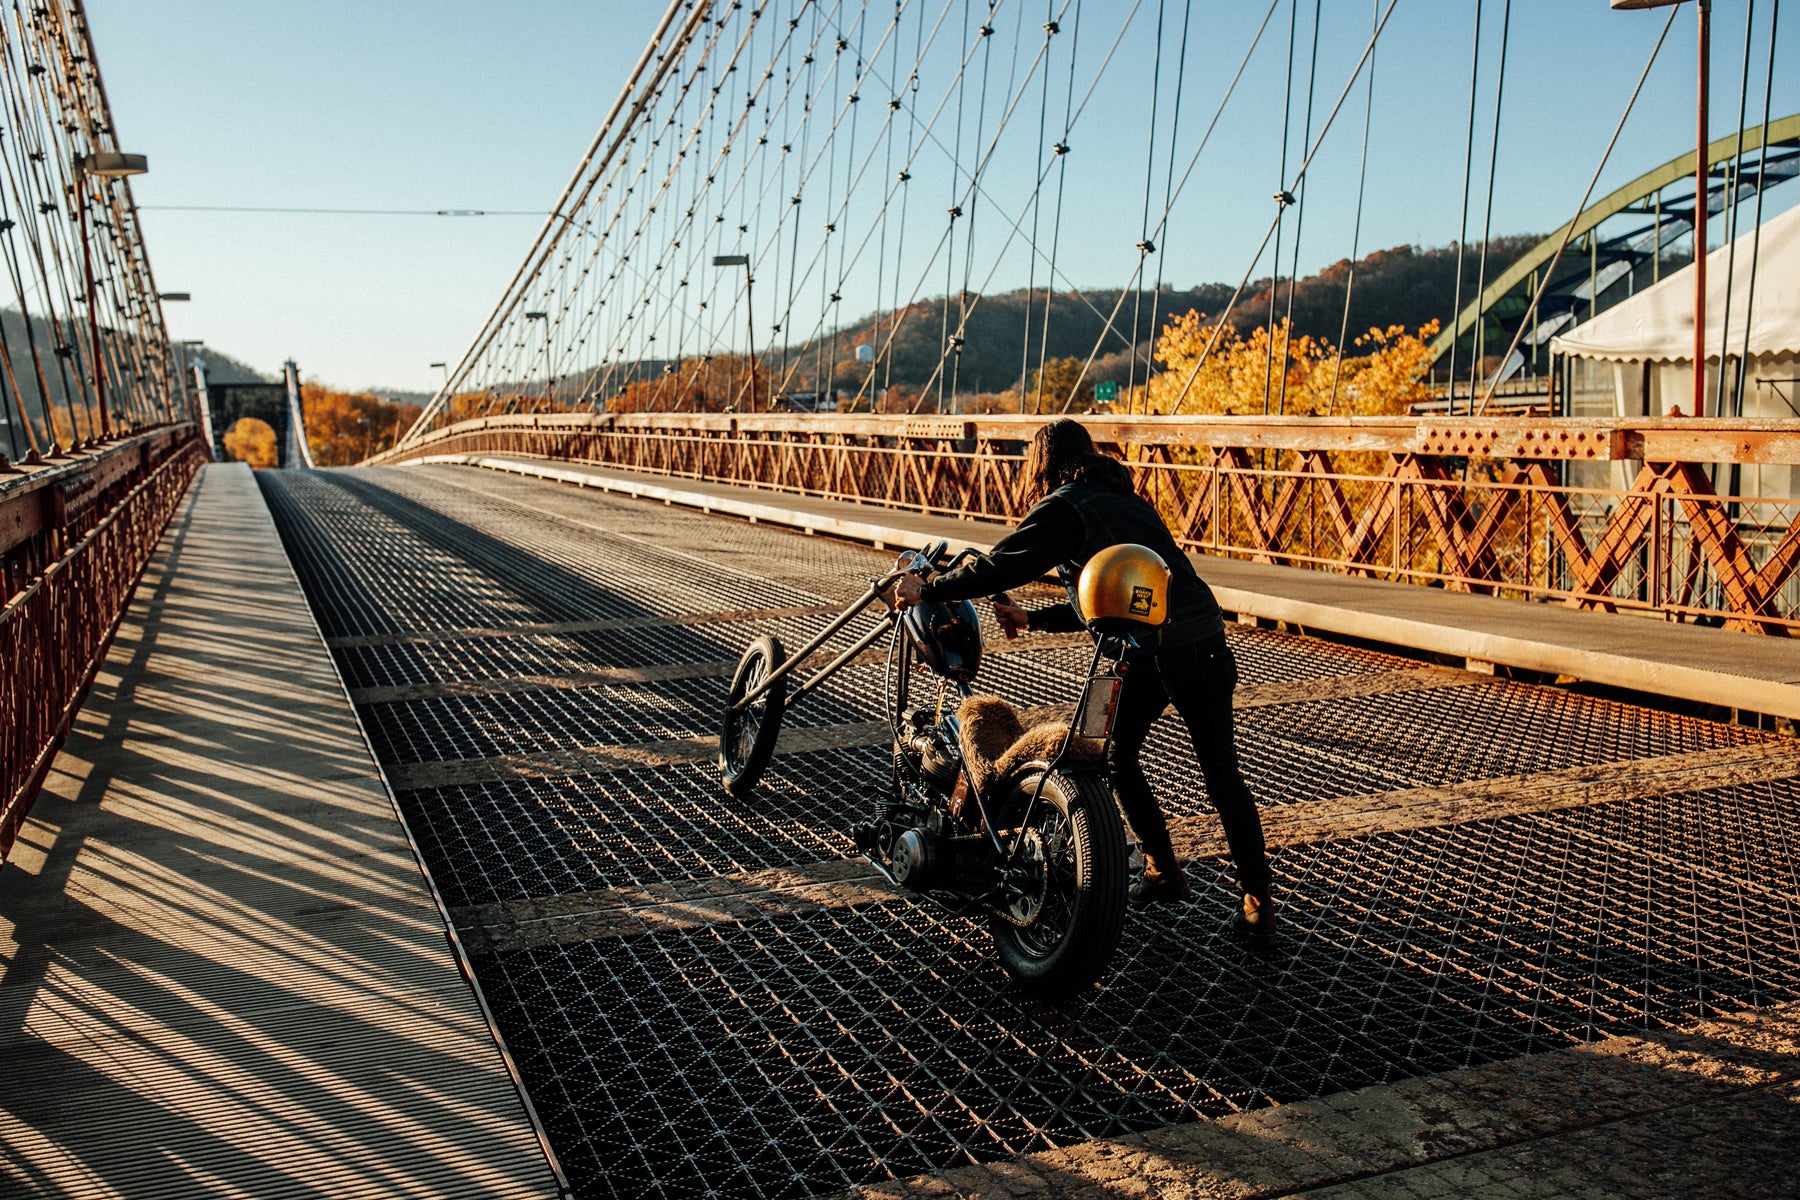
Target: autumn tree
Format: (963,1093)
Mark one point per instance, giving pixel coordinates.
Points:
(1057,385)
(343,428)
(1278,372)
(252,441)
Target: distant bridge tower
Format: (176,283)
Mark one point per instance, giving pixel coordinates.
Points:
(295,451)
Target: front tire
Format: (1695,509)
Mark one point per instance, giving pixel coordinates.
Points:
(747,737)
(1060,935)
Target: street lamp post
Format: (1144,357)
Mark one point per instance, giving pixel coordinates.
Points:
(549,381)
(102,164)
(743,260)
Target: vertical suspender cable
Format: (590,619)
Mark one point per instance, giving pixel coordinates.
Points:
(1462,231)
(1187,20)
(1037,205)
(1362,176)
(1062,173)
(1287,334)
(1733,175)
(1487,220)
(1756,236)
(1569,228)
(1282,200)
(1137,302)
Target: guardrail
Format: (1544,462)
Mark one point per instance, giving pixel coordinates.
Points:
(76,531)
(1692,519)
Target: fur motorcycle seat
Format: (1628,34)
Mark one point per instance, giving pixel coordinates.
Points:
(998,738)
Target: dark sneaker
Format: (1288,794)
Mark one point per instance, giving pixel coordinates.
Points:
(1255,921)
(1159,887)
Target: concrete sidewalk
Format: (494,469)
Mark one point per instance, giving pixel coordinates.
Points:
(224,972)
(1747,672)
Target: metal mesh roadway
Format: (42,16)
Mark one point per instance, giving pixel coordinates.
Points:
(803,1048)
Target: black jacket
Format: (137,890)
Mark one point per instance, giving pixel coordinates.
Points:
(1060,533)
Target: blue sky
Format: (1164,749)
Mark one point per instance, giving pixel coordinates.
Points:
(462,105)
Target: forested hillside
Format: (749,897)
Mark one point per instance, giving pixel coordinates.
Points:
(1006,333)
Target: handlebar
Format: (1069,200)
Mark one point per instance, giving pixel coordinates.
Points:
(919,562)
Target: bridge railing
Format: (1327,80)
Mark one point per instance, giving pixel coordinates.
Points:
(76,531)
(1692,519)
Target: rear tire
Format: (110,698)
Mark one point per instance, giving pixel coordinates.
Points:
(1062,939)
(747,737)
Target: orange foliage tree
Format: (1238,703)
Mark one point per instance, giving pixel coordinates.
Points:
(344,428)
(1282,373)
(252,441)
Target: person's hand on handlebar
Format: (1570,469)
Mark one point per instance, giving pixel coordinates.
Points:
(1013,619)
(906,590)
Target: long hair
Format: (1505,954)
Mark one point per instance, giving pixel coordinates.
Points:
(1062,453)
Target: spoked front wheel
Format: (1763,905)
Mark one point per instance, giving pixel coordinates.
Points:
(747,739)
(1060,924)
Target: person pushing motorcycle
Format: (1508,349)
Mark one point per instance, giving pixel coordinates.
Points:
(1085,503)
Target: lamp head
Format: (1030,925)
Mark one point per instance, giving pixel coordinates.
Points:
(112,164)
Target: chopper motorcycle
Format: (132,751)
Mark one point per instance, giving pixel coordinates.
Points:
(986,809)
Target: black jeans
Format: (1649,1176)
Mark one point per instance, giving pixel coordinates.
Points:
(1198,680)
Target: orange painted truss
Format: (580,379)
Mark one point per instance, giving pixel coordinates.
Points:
(1610,515)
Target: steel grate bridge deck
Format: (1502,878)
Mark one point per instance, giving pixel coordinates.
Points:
(707,998)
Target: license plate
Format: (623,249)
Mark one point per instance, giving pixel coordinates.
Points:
(1099,700)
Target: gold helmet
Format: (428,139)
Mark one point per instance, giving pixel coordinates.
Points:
(1124,588)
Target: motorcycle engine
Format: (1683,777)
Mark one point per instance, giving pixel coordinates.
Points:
(938,762)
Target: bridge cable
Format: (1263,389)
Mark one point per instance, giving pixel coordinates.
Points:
(1056,223)
(1017,224)
(949,258)
(1187,14)
(1487,223)
(1287,333)
(1283,198)
(1350,83)
(820,258)
(974,186)
(1108,326)
(943,241)
(41,281)
(1362,176)
(902,181)
(30,341)
(1733,175)
(1462,234)
(817,259)
(987,61)
(1037,198)
(1762,186)
(509,301)
(1569,228)
(1137,302)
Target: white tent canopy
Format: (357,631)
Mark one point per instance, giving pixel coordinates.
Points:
(1657,324)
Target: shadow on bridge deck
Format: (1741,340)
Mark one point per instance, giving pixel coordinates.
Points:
(223,971)
(1538,941)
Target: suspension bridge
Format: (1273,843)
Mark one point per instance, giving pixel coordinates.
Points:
(362,829)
